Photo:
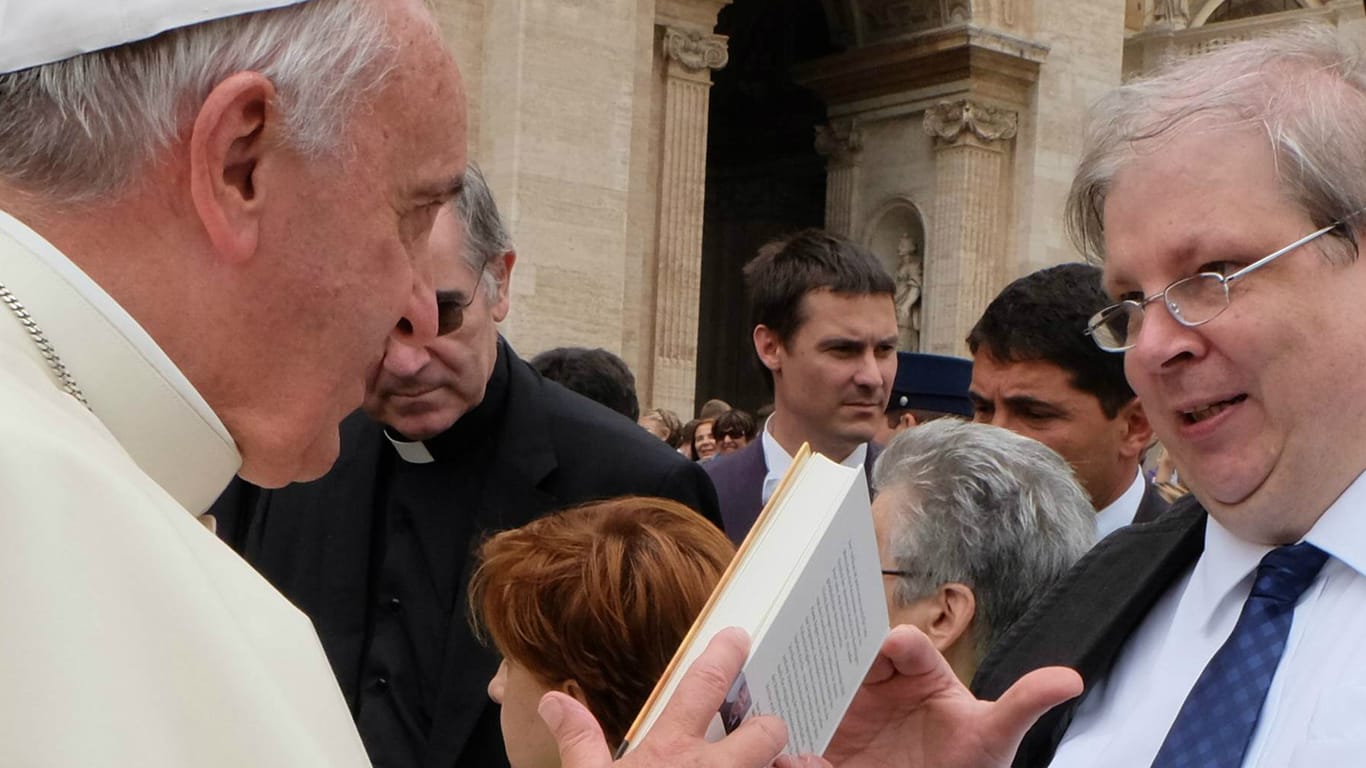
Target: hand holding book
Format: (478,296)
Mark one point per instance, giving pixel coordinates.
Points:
(679,739)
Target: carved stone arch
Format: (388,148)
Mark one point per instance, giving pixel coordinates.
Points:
(1206,8)
(896,233)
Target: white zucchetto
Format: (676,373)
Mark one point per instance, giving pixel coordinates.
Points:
(34,32)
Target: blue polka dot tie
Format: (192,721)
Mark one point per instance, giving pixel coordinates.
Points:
(1215,724)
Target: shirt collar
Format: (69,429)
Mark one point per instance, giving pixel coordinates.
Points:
(1121,511)
(1228,560)
(133,388)
(777,461)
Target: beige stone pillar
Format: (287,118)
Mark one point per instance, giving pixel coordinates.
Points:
(840,143)
(968,230)
(690,57)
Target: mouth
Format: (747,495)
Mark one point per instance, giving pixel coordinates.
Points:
(1197,415)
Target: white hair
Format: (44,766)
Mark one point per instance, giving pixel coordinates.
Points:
(985,507)
(80,129)
(1304,87)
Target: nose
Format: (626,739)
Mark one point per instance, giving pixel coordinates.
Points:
(417,326)
(1162,341)
(498,682)
(869,372)
(403,357)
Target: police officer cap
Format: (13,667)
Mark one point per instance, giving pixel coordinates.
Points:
(926,382)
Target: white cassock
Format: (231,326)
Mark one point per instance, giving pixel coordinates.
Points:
(131,636)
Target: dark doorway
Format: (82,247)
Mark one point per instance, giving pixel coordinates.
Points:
(764,178)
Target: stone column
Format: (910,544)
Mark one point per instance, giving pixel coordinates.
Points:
(967,233)
(690,57)
(840,143)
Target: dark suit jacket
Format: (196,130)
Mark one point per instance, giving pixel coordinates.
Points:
(551,449)
(739,481)
(1085,619)
(1151,506)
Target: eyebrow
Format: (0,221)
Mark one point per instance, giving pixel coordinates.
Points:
(443,190)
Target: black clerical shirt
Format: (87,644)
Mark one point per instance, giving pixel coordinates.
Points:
(426,530)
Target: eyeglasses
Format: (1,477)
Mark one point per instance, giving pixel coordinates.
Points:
(1193,301)
(734,434)
(450,310)
(899,574)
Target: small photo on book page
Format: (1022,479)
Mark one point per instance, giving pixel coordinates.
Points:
(735,709)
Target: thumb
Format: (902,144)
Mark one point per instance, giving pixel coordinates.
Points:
(577,734)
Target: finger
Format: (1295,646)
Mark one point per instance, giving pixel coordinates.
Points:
(576,732)
(700,693)
(757,742)
(1033,695)
(801,761)
(907,651)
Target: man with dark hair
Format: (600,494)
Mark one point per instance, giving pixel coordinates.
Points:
(825,331)
(1036,372)
(457,438)
(596,374)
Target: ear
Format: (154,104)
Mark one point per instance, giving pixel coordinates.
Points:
(769,347)
(907,420)
(232,132)
(954,607)
(573,689)
(503,269)
(1136,433)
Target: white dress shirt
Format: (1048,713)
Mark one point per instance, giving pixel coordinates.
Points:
(1121,511)
(1312,715)
(778,460)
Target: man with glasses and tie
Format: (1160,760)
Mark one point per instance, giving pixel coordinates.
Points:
(456,438)
(1224,196)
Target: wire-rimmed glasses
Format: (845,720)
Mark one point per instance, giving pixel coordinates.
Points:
(450,308)
(1193,301)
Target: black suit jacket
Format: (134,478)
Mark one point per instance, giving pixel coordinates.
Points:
(551,449)
(1151,506)
(739,481)
(1084,621)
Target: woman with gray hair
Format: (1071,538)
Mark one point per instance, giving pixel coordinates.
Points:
(973,523)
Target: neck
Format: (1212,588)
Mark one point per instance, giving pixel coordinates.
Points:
(790,435)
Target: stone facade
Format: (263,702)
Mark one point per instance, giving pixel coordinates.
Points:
(951,134)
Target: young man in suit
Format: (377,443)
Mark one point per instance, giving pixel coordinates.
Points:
(825,332)
(457,438)
(1035,371)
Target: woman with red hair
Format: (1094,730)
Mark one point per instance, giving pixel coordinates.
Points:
(592,601)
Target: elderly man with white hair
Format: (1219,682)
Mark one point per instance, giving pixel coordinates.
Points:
(213,216)
(973,523)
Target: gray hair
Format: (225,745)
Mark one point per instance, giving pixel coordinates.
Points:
(79,129)
(986,507)
(485,237)
(1305,87)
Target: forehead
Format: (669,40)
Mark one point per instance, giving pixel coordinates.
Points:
(824,313)
(446,244)
(1182,201)
(1038,378)
(419,113)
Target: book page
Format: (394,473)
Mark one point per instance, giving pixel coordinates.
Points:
(809,661)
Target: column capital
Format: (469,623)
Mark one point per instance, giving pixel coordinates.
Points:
(694,50)
(952,123)
(839,142)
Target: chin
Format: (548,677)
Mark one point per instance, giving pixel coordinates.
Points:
(278,468)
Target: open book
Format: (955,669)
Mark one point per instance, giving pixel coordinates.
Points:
(806,585)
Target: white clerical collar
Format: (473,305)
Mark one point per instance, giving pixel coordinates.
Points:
(1122,510)
(411,451)
(778,460)
(132,387)
(1228,560)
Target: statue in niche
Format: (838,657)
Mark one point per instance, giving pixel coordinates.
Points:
(907,299)
(1174,14)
